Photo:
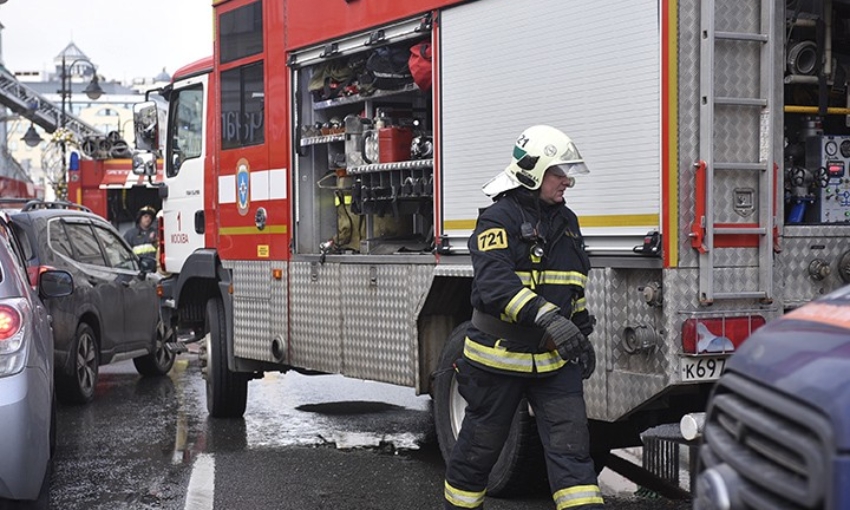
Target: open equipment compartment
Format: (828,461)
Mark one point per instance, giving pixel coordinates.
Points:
(363,145)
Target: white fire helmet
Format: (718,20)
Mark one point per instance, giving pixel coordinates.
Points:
(537,149)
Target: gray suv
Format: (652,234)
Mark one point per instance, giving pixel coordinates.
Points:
(114,312)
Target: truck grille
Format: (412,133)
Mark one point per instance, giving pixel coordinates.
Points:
(779,447)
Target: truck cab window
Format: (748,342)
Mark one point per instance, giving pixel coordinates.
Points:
(242,106)
(188,128)
(241,32)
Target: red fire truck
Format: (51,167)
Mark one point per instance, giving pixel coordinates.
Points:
(109,188)
(317,199)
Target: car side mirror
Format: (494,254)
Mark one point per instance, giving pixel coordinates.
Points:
(147,264)
(55,283)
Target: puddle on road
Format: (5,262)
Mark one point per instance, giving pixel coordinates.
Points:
(348,408)
(295,410)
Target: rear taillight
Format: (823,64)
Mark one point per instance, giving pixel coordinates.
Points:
(15,314)
(10,322)
(718,334)
(160,227)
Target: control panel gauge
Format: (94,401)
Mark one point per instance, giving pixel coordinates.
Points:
(831,148)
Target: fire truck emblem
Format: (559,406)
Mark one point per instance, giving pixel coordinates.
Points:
(243,186)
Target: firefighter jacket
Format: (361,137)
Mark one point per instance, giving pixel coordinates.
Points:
(528,257)
(143,242)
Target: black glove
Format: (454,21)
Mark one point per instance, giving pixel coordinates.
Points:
(562,335)
(587,360)
(587,326)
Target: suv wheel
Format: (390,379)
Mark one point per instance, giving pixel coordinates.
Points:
(78,386)
(160,361)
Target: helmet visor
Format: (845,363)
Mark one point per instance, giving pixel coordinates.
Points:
(570,162)
(570,169)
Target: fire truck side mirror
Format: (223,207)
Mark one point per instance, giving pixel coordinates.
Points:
(146,126)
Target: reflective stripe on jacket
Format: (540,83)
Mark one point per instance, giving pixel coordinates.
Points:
(143,242)
(515,284)
(144,249)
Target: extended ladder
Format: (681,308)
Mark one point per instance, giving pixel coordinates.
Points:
(758,111)
(33,106)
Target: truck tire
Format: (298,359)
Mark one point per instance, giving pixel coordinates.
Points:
(227,392)
(520,469)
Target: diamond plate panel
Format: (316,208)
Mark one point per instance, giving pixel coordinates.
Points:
(681,298)
(459,271)
(737,129)
(595,388)
(379,305)
(251,309)
(727,183)
(736,279)
(252,279)
(626,381)
(736,257)
(817,231)
(614,298)
(737,136)
(734,64)
(797,254)
(688,126)
(737,15)
(316,320)
(251,323)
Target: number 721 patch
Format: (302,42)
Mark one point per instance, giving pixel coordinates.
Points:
(492,239)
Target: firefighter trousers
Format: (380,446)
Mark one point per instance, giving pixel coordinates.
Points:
(492,400)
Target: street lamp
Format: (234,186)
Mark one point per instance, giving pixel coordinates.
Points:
(31,137)
(93,91)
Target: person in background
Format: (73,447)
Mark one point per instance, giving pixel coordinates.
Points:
(528,336)
(143,238)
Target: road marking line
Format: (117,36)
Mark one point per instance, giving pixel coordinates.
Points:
(200,494)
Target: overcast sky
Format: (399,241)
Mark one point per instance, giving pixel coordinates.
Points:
(125,39)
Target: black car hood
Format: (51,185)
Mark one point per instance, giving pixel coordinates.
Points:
(806,354)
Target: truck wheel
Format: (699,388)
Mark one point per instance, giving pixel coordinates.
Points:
(78,386)
(227,392)
(160,361)
(520,468)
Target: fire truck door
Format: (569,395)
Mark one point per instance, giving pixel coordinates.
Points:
(183,222)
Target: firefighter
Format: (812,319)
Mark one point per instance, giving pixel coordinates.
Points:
(143,237)
(528,336)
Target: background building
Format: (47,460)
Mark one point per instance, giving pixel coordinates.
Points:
(111,112)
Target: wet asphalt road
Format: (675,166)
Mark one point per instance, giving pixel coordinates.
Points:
(320,442)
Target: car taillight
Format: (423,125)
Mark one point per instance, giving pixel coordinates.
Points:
(15,314)
(10,322)
(718,334)
(160,227)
